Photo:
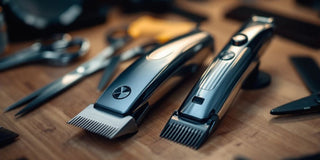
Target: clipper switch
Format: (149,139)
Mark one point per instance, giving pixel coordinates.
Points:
(239,40)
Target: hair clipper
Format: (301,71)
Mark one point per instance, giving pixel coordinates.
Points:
(213,93)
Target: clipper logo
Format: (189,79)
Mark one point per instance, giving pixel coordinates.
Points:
(121,92)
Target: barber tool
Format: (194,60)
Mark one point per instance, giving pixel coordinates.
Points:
(310,74)
(53,50)
(123,105)
(212,95)
(97,63)
(313,156)
(302,32)
(6,136)
(313,4)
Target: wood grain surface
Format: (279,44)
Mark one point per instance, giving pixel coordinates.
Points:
(247,129)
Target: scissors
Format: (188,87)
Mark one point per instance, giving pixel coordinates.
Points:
(86,69)
(309,71)
(53,50)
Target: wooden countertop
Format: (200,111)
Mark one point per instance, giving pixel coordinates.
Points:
(247,129)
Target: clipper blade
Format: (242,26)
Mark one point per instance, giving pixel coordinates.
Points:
(102,123)
(187,133)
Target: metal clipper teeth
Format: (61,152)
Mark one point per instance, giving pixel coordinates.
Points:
(187,133)
(103,123)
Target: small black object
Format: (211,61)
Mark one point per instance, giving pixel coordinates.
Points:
(310,74)
(257,79)
(296,30)
(308,71)
(33,19)
(6,136)
(306,157)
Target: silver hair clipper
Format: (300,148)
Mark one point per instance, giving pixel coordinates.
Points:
(213,93)
(127,100)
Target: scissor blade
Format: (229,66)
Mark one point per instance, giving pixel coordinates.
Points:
(309,72)
(306,104)
(108,71)
(115,61)
(131,53)
(54,89)
(22,57)
(26,99)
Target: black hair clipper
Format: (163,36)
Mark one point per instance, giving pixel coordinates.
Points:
(127,100)
(213,93)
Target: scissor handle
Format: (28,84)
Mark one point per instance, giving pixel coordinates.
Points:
(118,37)
(52,42)
(57,53)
